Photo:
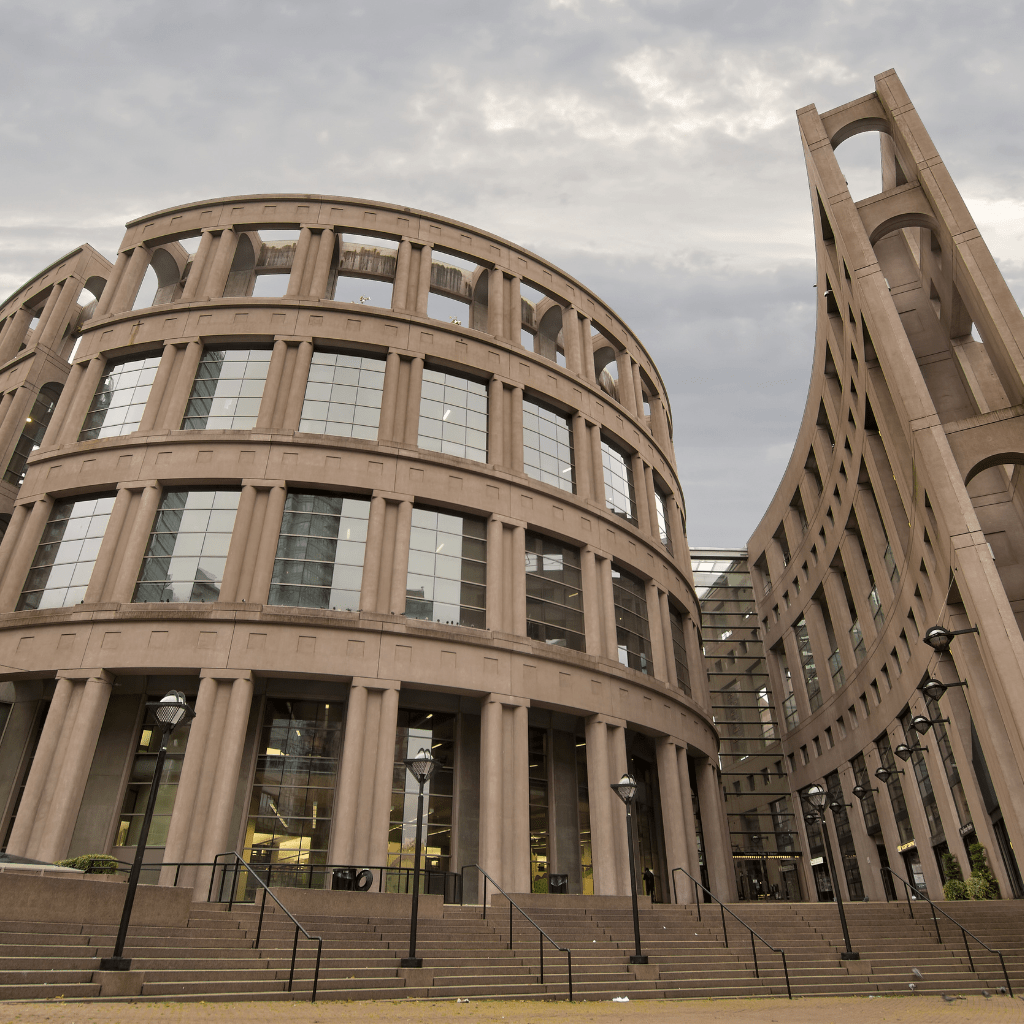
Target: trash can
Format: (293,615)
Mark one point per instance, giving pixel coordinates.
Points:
(344,879)
(558,884)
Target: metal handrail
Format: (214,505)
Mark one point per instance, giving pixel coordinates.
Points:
(542,934)
(725,931)
(291,917)
(907,886)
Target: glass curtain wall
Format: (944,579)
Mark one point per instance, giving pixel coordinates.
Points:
(447,579)
(677,624)
(844,837)
(764,834)
(554,593)
(632,631)
(120,400)
(810,671)
(619,492)
(453,416)
(228,388)
(32,433)
(548,446)
(343,395)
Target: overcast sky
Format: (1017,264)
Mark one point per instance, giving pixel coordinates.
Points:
(650,149)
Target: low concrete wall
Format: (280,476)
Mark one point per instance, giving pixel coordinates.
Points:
(535,900)
(330,903)
(85,900)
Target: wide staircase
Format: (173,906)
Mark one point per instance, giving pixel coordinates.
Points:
(213,957)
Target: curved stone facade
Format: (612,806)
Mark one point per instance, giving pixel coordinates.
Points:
(445,511)
(901,510)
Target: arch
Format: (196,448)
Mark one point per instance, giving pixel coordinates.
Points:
(606,370)
(547,342)
(96,284)
(242,267)
(990,461)
(910,219)
(858,127)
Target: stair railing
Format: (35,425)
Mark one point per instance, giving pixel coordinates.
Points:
(907,886)
(541,934)
(239,862)
(708,894)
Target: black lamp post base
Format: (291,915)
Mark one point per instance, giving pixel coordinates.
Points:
(634,959)
(412,961)
(852,955)
(116,963)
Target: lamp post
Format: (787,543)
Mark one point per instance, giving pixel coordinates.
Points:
(817,797)
(422,767)
(626,790)
(168,713)
(939,639)
(936,688)
(884,774)
(903,750)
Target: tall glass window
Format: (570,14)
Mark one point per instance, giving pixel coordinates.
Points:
(547,446)
(453,416)
(120,398)
(292,800)
(948,762)
(554,593)
(789,708)
(632,632)
(188,547)
(140,782)
(895,787)
(803,642)
(447,579)
(539,809)
(661,505)
(32,433)
(66,554)
(867,805)
(924,780)
(319,560)
(678,626)
(583,810)
(343,395)
(227,390)
(619,494)
(435,732)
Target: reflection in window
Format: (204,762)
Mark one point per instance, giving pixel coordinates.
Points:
(632,632)
(547,446)
(537,753)
(292,800)
(343,395)
(660,504)
(140,782)
(453,416)
(227,390)
(619,495)
(554,593)
(447,579)
(320,554)
(66,554)
(32,434)
(120,398)
(803,642)
(433,731)
(678,625)
(188,547)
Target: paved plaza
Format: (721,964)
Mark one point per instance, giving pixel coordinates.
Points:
(873,1010)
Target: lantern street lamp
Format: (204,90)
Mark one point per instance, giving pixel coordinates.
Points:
(626,790)
(935,688)
(421,767)
(817,797)
(903,751)
(939,639)
(921,724)
(861,792)
(168,713)
(884,774)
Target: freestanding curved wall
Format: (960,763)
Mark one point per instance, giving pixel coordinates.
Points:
(347,525)
(901,510)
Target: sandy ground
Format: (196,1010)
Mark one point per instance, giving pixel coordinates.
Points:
(855,1010)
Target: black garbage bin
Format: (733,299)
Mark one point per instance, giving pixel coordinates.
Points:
(558,884)
(344,879)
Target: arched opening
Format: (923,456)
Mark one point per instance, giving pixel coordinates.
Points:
(606,369)
(547,342)
(161,281)
(32,435)
(366,270)
(869,160)
(240,276)
(274,263)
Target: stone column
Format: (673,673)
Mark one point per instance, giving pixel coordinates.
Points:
(600,796)
(604,568)
(109,546)
(597,460)
(139,530)
(839,612)
(584,485)
(586,350)
(380,816)
(263,571)
(666,630)
(627,393)
(17,328)
(592,615)
(673,824)
(518,572)
(517,779)
(652,502)
(515,438)
(860,584)
(570,339)
(495,301)
(495,574)
(131,280)
(400,576)
(195,274)
(291,416)
(159,388)
(12,538)
(21,559)
(299,262)
(656,671)
(491,828)
(400,290)
(220,265)
(412,409)
(322,267)
(685,887)
(389,397)
(716,846)
(47,311)
(496,422)
(186,366)
(863,844)
(515,310)
(238,544)
(14,422)
(68,427)
(423,280)
(618,765)
(639,391)
(272,386)
(875,541)
(69,787)
(643,510)
(372,560)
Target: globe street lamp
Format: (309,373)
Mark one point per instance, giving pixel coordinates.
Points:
(421,767)
(939,639)
(169,712)
(903,750)
(817,797)
(884,774)
(626,789)
(922,724)
(936,688)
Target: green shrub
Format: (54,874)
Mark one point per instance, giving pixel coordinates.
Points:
(951,867)
(985,882)
(93,863)
(978,888)
(956,889)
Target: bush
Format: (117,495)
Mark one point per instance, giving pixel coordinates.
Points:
(956,889)
(93,863)
(985,883)
(951,868)
(978,888)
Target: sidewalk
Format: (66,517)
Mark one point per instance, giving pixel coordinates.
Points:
(877,1010)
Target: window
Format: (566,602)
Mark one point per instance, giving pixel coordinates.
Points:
(803,642)
(554,593)
(857,639)
(660,504)
(120,398)
(453,416)
(188,547)
(632,634)
(539,804)
(66,554)
(789,709)
(447,580)
(140,782)
(867,802)
(32,434)
(343,395)
(547,446)
(320,553)
(619,494)
(227,390)
(924,782)
(895,788)
(678,626)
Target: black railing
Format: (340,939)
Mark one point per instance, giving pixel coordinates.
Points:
(259,929)
(541,934)
(907,886)
(710,896)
